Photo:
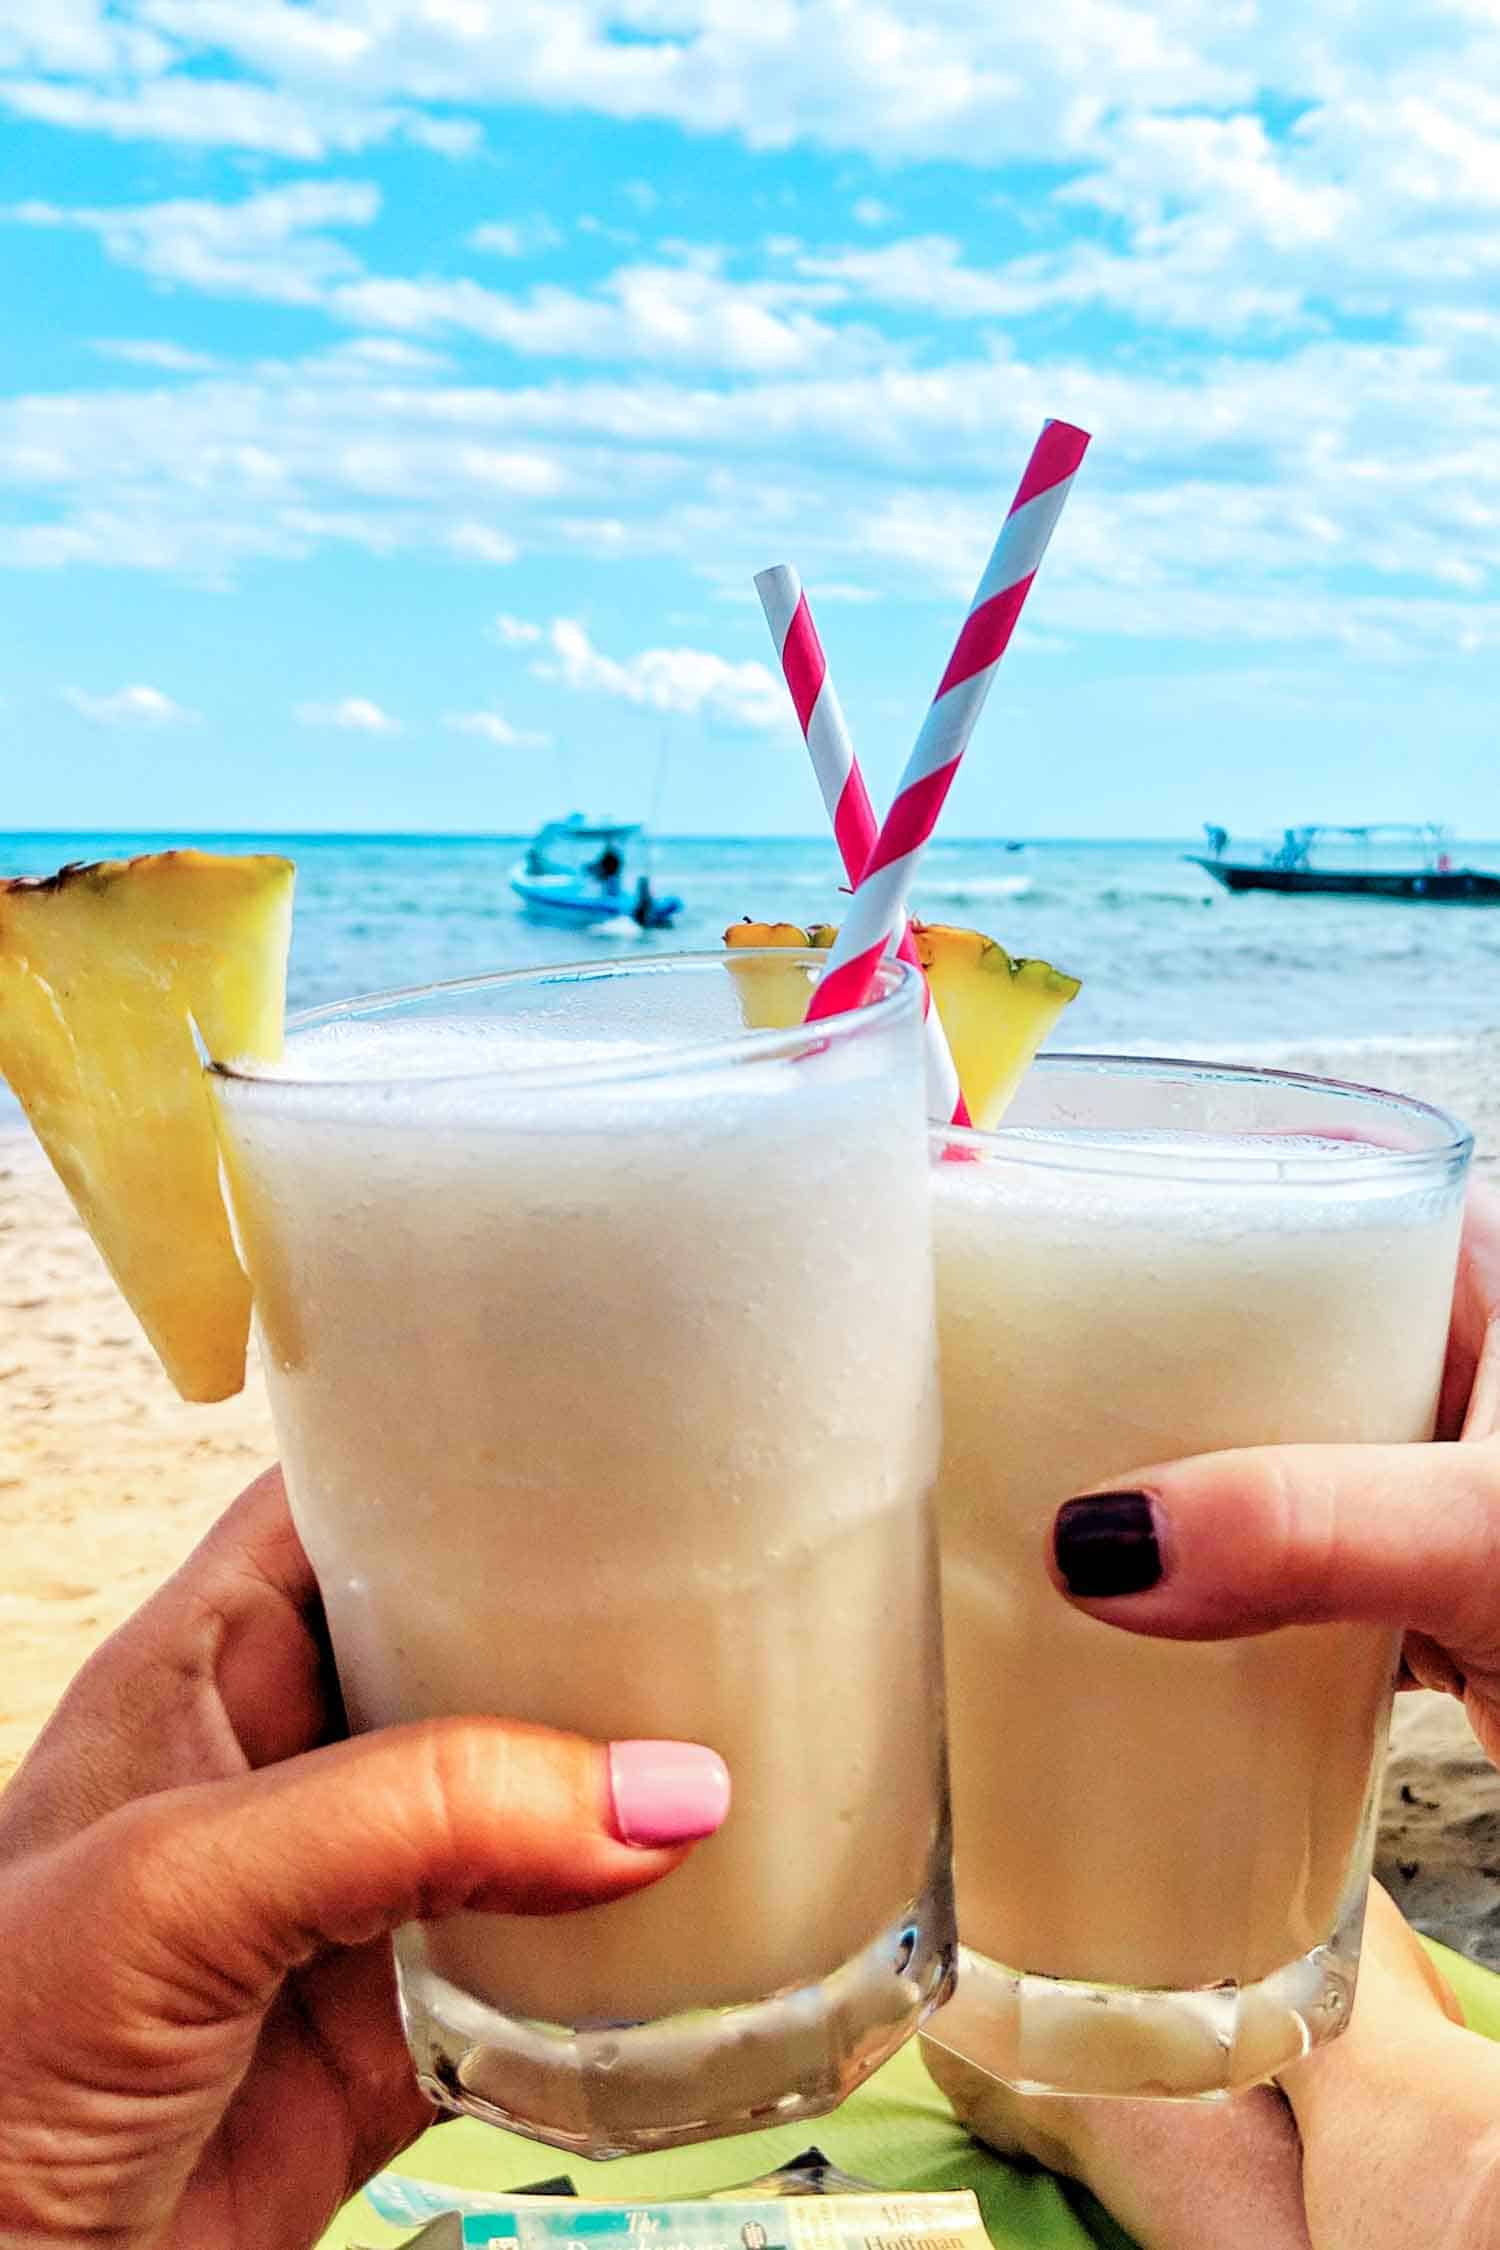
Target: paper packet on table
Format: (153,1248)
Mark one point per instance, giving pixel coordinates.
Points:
(808,2205)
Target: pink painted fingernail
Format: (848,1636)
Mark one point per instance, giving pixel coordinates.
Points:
(666,1792)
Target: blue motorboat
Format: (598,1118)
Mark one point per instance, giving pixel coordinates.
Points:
(577,874)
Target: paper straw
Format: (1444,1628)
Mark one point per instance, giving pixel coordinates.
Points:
(831,748)
(880,898)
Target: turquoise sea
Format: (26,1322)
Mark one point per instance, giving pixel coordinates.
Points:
(1169,963)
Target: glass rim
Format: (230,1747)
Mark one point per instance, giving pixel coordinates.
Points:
(1121,1154)
(895,994)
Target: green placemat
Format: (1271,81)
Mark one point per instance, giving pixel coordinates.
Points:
(897,2131)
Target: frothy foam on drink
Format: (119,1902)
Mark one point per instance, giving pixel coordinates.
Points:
(1202,1185)
(346,1051)
(523,1074)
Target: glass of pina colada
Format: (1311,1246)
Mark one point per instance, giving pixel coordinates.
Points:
(1162,1849)
(600,1341)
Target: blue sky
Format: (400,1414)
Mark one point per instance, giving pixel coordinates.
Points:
(398,395)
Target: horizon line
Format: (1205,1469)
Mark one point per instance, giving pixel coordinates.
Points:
(523,835)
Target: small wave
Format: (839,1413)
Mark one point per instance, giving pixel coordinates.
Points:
(1348,1047)
(1114,894)
(983,887)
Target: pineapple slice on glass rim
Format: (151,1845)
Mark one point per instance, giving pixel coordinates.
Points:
(105,969)
(995,1008)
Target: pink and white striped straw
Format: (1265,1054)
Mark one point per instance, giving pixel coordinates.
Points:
(880,898)
(831,748)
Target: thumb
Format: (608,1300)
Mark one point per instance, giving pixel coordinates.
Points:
(1233,1543)
(230,1885)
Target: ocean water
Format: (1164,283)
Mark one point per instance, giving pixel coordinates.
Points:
(1170,964)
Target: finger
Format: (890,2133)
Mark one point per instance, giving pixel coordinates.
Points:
(1425,1665)
(1471,1379)
(221,1891)
(1234,1543)
(252,1577)
(225,1666)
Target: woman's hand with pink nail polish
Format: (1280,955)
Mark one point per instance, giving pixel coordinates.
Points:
(666,1792)
(197,1885)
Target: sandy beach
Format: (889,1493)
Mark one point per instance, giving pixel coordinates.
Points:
(107,1479)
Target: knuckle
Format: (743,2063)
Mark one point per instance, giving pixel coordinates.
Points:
(141,1853)
(1474,1541)
(1293,1511)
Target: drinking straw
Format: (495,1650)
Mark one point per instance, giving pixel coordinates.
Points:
(880,896)
(831,748)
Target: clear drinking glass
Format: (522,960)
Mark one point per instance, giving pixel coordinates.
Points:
(1162,1848)
(599,1336)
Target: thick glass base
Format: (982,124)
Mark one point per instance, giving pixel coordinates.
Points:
(1050,2035)
(622,2089)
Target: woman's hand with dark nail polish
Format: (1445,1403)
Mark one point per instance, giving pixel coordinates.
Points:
(1105,1545)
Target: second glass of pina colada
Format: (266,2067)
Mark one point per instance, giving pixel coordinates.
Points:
(1162,1849)
(599,1335)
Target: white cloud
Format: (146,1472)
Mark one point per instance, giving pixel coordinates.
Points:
(138,706)
(515,238)
(1187,278)
(841,590)
(1339,473)
(268,245)
(278,244)
(172,359)
(205,113)
(516,632)
(972,84)
(1399,98)
(387,353)
(74,36)
(685,313)
(688,681)
(352,714)
(860,404)
(491,727)
(446,136)
(480,542)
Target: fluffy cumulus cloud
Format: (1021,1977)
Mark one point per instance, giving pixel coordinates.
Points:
(947,79)
(516,238)
(684,313)
(272,244)
(350,714)
(516,632)
(689,681)
(494,728)
(1253,249)
(136,706)
(1338,474)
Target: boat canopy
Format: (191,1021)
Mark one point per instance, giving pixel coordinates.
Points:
(576,830)
(1298,843)
(576,847)
(1428,831)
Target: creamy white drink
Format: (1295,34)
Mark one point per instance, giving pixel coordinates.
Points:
(1136,1815)
(606,1395)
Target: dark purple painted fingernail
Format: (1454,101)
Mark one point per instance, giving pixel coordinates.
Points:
(1106,1544)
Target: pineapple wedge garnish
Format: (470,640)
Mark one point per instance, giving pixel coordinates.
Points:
(995,1009)
(774,997)
(103,972)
